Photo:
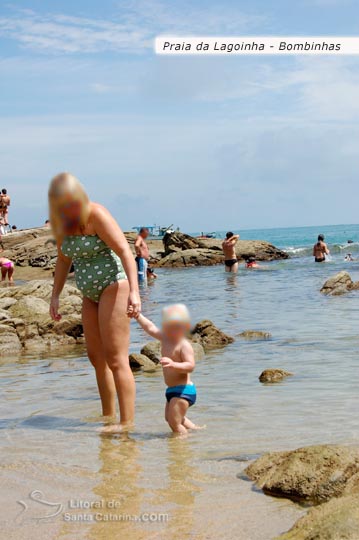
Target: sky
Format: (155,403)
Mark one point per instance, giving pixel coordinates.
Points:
(204,143)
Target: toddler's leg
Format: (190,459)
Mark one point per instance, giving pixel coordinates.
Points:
(176,412)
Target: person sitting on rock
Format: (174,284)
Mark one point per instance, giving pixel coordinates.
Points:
(7,269)
(229,250)
(177,362)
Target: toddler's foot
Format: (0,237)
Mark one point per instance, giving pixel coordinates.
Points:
(190,425)
(198,427)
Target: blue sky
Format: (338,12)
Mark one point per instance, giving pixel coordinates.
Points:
(202,142)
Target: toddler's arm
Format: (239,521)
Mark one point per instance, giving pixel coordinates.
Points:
(149,327)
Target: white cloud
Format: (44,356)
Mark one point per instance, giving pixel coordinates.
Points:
(132,28)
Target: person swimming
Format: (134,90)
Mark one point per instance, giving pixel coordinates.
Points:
(349,257)
(177,362)
(252,263)
(320,250)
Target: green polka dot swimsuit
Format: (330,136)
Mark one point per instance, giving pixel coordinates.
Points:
(96,265)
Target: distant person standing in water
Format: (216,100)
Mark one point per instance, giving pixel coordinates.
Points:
(229,250)
(320,249)
(142,254)
(4,208)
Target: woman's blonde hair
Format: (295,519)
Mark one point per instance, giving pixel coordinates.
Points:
(61,186)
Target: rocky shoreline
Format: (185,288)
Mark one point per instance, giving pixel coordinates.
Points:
(34,251)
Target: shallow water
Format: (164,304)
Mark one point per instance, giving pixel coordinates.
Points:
(186,488)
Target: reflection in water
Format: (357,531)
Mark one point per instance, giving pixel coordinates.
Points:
(118,489)
(178,494)
(231,297)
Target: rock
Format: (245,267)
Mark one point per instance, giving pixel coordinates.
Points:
(273,375)
(4,315)
(255,334)
(70,326)
(31,247)
(209,336)
(335,520)
(5,303)
(25,318)
(261,251)
(30,308)
(339,284)
(313,473)
(140,361)
(152,350)
(191,257)
(183,250)
(177,241)
(10,342)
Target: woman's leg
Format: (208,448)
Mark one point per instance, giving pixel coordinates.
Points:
(104,377)
(3,273)
(10,273)
(114,326)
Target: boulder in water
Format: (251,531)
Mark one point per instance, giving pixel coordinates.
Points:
(191,257)
(313,473)
(140,361)
(209,336)
(273,375)
(339,284)
(182,250)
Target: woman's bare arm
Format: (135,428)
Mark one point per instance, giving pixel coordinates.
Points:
(62,268)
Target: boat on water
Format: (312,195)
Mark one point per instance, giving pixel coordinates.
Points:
(207,235)
(156,231)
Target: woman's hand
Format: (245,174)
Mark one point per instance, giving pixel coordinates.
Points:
(134,305)
(54,308)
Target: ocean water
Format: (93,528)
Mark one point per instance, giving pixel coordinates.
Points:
(298,241)
(49,410)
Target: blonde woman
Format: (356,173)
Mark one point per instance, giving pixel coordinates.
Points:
(106,273)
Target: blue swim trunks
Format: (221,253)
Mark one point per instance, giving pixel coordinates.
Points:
(184,391)
(142,266)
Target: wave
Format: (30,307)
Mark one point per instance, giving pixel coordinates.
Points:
(335,249)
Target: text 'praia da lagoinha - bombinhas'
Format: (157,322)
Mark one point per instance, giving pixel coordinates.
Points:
(249,46)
